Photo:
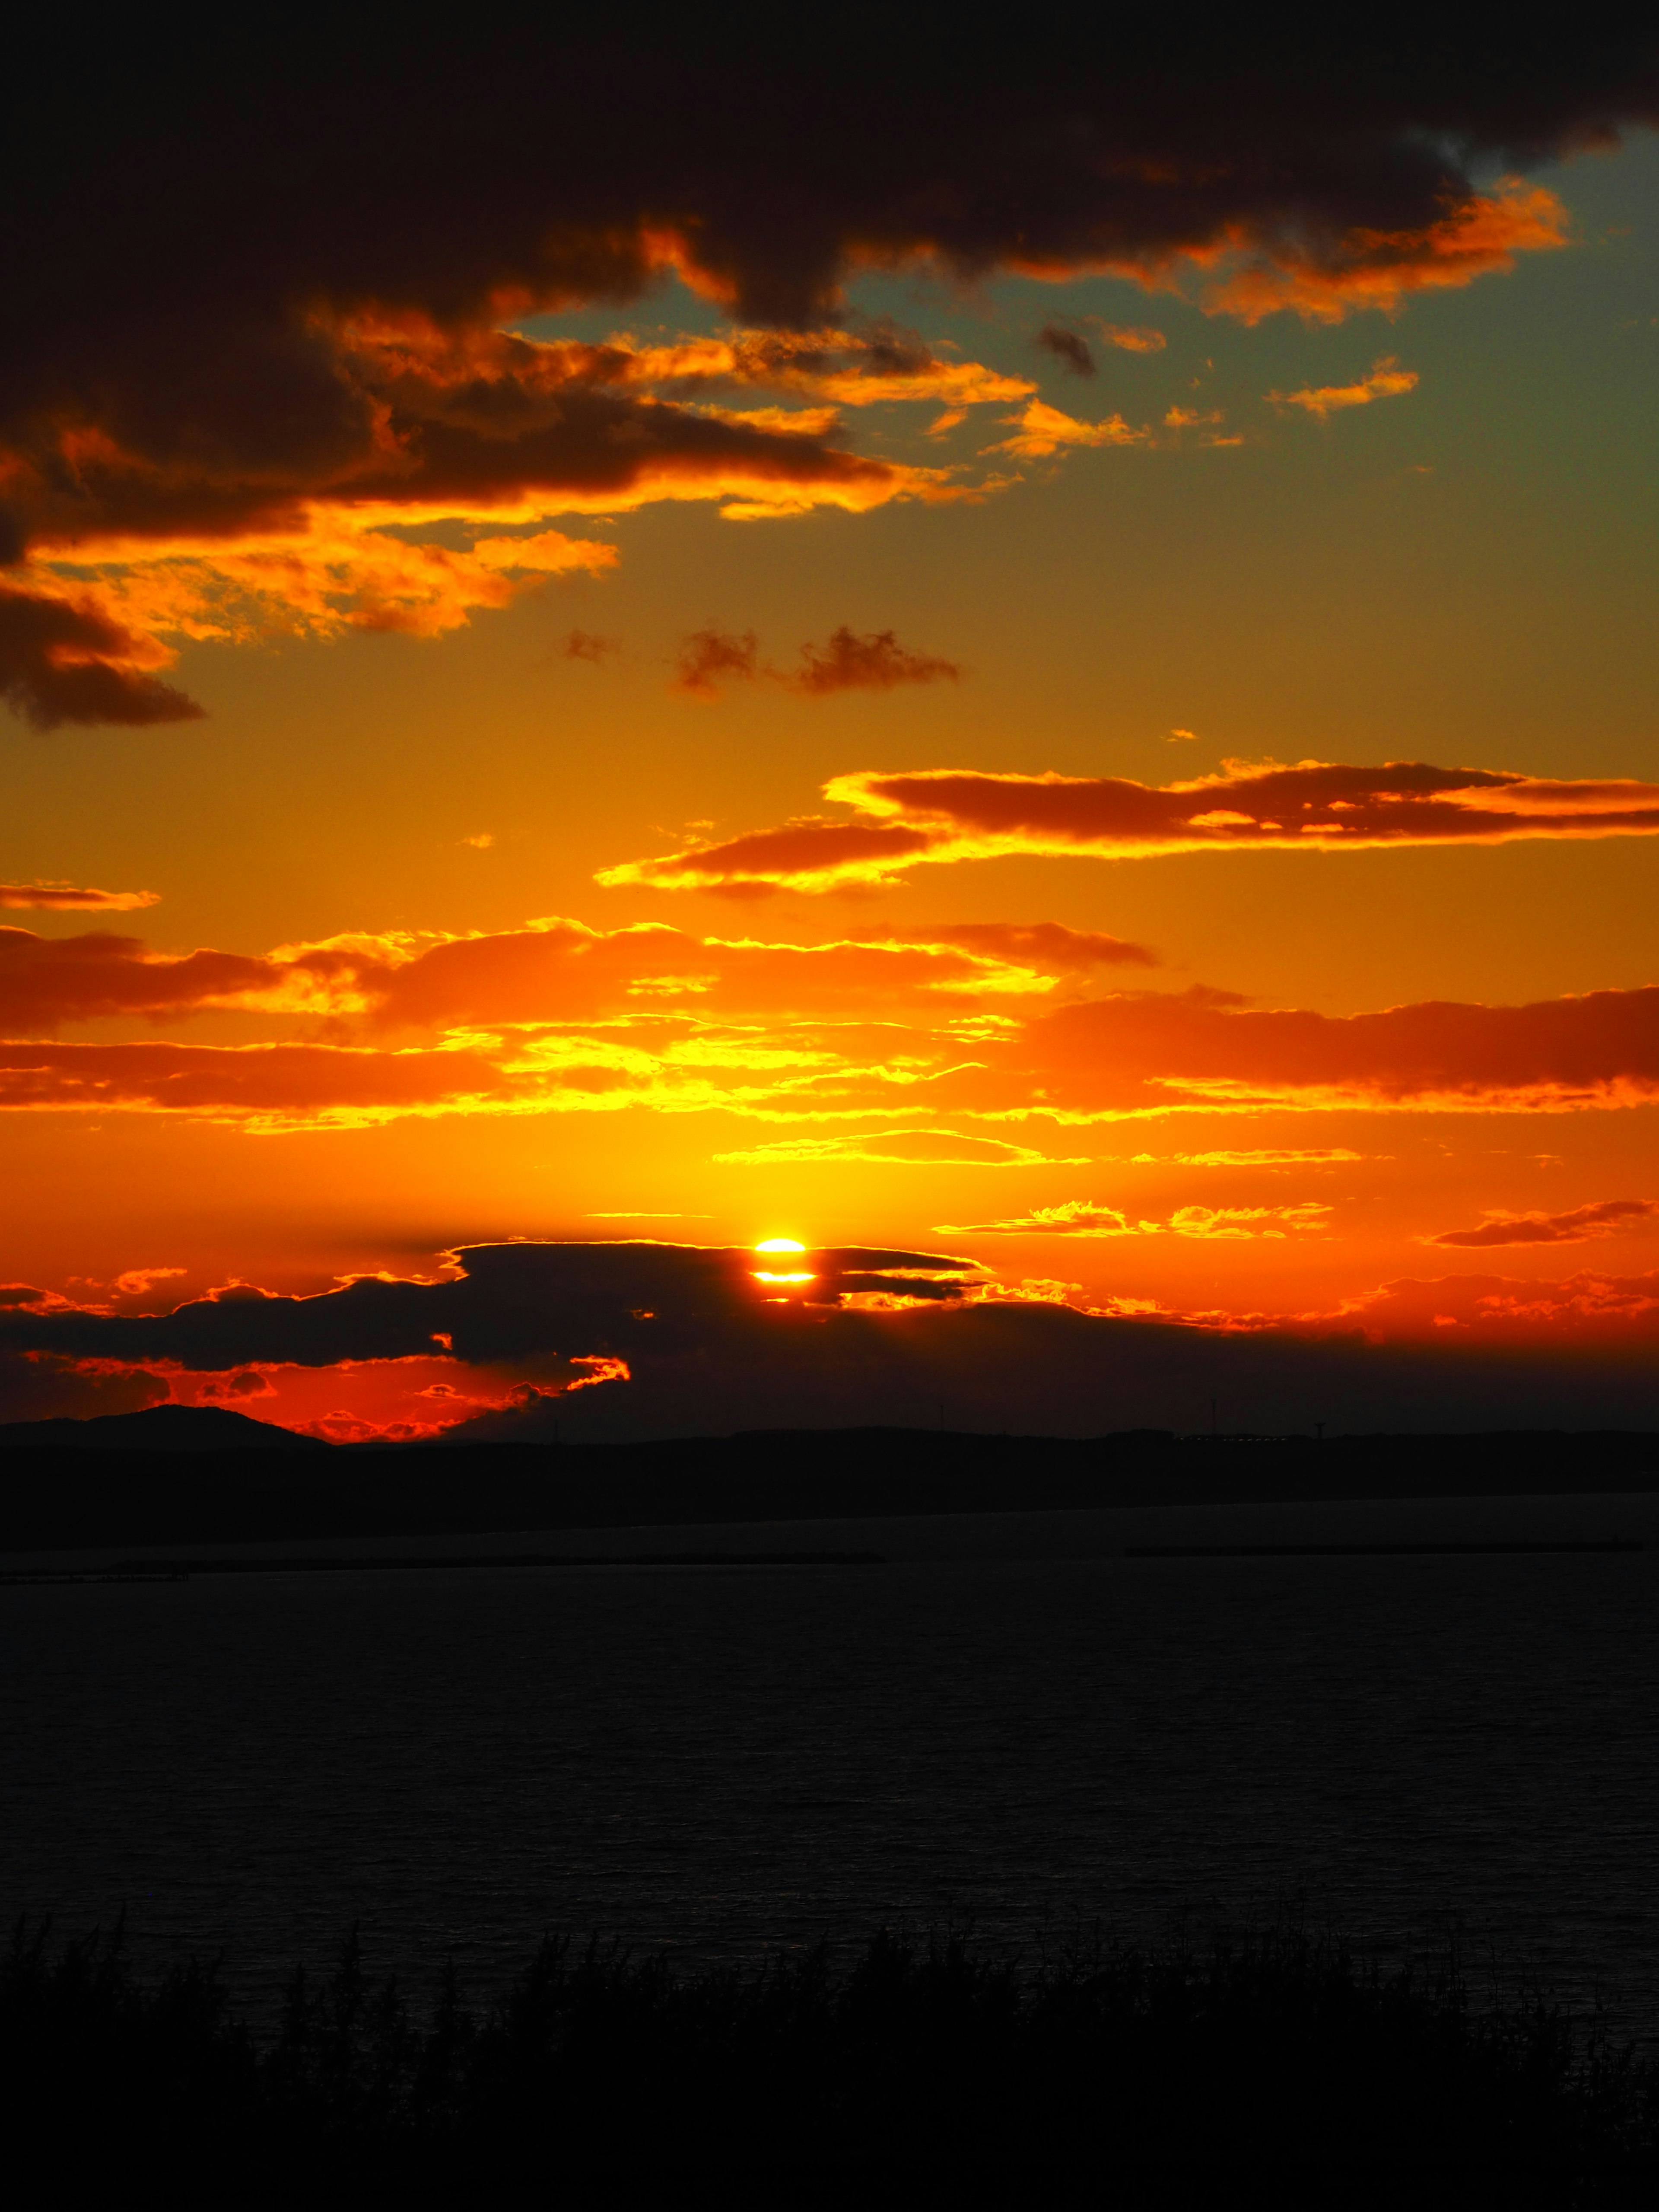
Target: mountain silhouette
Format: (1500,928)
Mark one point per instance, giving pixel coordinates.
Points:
(158,1428)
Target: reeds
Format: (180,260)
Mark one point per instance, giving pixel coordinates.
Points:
(1274,2057)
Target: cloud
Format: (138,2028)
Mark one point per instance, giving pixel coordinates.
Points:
(668,1339)
(1041,430)
(901,1148)
(874,662)
(1386,381)
(551,969)
(966,1023)
(946,814)
(1266,1156)
(1049,945)
(1609,1218)
(709,658)
(1127,337)
(69,896)
(1069,349)
(45,981)
(67,661)
(1081,1217)
(290,373)
(1148,1051)
(588,645)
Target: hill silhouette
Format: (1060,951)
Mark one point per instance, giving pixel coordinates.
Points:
(56,1496)
(158,1429)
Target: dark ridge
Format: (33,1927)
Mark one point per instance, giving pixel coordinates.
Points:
(1366,1551)
(927,2074)
(155,1429)
(62,1499)
(179,1571)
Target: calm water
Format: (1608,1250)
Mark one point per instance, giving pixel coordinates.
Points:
(1008,1721)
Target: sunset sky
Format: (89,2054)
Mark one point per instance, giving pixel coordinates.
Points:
(1037,677)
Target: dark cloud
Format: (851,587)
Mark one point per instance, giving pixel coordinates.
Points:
(271,272)
(511,1301)
(1576,1226)
(1070,350)
(1146,1050)
(60,663)
(874,662)
(45,981)
(586,645)
(706,1350)
(712,657)
(948,815)
(71,896)
(1047,943)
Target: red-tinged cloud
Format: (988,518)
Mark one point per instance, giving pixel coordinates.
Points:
(65,659)
(71,896)
(47,980)
(970,1025)
(261,1087)
(677,1340)
(1461,1310)
(280,362)
(948,815)
(1580,1224)
(1049,944)
(1145,1052)
(1082,1216)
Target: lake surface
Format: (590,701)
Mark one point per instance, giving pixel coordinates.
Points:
(1008,1722)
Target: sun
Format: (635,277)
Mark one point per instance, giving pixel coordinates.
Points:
(780,1245)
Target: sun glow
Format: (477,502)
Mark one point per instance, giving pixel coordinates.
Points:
(780,1245)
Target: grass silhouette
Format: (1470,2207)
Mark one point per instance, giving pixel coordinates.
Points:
(1124,2074)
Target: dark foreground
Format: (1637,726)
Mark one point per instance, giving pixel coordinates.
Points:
(64,1495)
(927,2074)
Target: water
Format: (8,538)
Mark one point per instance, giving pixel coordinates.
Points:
(1009,1722)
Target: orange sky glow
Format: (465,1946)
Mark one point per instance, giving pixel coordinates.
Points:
(1019,828)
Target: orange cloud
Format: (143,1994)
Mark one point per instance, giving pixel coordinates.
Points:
(1127,337)
(1386,381)
(968,1023)
(1080,1216)
(550,970)
(1578,1226)
(1377,268)
(943,814)
(901,1148)
(69,897)
(63,658)
(1144,1052)
(1041,430)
